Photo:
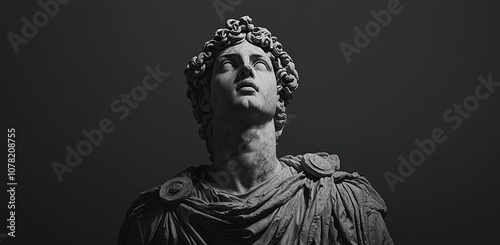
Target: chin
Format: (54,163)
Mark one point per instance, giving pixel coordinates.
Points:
(249,101)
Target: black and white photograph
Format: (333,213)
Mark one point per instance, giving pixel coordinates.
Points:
(250,122)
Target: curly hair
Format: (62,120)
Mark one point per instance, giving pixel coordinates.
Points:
(199,72)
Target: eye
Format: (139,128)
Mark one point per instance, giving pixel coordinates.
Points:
(261,65)
(226,65)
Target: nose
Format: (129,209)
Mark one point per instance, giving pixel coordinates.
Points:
(246,71)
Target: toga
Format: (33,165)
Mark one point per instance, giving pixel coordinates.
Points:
(310,201)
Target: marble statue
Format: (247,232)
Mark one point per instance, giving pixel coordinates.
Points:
(239,87)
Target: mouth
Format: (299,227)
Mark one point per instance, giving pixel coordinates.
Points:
(246,86)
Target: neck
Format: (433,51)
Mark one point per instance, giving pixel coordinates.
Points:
(244,156)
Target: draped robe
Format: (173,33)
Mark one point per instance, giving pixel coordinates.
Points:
(310,201)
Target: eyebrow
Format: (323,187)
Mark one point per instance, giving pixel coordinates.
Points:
(252,56)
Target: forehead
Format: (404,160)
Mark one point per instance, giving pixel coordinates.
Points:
(243,48)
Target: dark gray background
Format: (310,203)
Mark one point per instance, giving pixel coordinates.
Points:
(369,111)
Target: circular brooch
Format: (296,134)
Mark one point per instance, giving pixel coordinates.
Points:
(176,190)
(316,166)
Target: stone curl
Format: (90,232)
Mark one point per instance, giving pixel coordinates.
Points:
(199,72)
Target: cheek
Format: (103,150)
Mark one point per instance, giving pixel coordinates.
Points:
(271,84)
(218,88)
(271,91)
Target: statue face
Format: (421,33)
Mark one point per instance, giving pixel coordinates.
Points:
(243,81)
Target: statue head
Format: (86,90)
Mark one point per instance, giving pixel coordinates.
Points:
(200,70)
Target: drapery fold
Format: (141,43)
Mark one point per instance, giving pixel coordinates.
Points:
(294,207)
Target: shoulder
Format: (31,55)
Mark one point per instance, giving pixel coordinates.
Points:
(358,209)
(146,206)
(354,206)
(149,211)
(314,165)
(349,188)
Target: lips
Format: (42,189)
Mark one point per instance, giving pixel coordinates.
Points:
(243,84)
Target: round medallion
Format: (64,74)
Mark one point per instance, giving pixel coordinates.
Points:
(176,190)
(316,166)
